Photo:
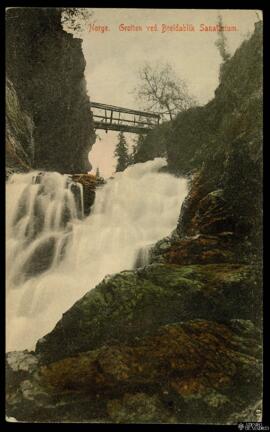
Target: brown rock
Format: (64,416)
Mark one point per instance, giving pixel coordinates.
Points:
(89,183)
(194,371)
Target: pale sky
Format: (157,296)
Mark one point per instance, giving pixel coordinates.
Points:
(114,57)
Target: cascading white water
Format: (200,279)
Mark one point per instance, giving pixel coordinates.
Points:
(53,258)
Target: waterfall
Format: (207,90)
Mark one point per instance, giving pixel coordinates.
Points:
(54,256)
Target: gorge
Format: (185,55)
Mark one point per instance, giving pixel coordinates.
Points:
(148,309)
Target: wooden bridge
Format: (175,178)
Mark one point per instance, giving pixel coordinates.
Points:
(110,117)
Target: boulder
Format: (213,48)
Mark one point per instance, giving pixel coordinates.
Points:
(134,303)
(196,370)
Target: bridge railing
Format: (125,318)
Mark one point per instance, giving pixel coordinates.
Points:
(111,117)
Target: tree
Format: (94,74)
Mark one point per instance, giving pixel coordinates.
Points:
(161,90)
(138,142)
(75,19)
(133,153)
(121,153)
(221,42)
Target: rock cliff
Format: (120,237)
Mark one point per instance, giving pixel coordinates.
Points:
(219,146)
(233,116)
(19,134)
(89,183)
(45,67)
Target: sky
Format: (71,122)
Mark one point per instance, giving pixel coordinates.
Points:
(114,57)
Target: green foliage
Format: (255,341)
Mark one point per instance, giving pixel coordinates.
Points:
(202,134)
(152,145)
(121,153)
(222,46)
(242,183)
(221,42)
(138,144)
(75,19)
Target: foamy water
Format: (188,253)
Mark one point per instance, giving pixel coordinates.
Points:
(54,258)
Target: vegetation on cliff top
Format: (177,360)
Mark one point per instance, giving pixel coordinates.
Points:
(197,134)
(222,143)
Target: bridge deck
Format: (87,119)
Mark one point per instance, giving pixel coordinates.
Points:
(110,117)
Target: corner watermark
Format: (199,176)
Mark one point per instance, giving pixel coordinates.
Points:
(256,426)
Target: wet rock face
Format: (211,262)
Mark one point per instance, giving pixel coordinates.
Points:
(46,67)
(89,184)
(200,370)
(197,249)
(220,220)
(19,134)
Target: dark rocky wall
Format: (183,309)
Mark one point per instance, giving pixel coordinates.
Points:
(197,134)
(221,143)
(89,183)
(46,67)
(19,134)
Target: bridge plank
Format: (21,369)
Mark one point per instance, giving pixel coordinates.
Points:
(122,128)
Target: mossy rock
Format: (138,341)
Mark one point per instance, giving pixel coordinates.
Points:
(133,303)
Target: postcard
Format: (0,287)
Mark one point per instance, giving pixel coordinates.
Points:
(134,216)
